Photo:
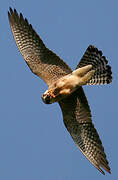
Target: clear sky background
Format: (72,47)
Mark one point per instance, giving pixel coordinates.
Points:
(34,143)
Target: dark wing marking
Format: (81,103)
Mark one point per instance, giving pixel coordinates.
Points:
(103,74)
(40,60)
(77,119)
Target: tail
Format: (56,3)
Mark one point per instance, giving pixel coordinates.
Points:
(103,74)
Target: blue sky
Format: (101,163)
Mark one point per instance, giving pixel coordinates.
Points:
(34,143)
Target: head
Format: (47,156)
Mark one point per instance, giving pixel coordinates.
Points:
(46,97)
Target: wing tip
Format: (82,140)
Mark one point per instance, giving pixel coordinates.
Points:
(101,170)
(106,169)
(104,164)
(11,13)
(14,17)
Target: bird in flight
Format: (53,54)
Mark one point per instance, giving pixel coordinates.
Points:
(65,85)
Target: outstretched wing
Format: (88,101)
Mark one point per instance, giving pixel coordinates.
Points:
(40,60)
(103,74)
(77,119)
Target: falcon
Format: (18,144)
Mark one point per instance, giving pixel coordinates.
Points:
(65,85)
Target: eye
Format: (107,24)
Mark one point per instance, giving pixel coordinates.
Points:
(46,99)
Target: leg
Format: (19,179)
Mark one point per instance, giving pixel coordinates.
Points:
(84,74)
(82,71)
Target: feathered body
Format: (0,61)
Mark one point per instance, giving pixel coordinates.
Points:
(65,86)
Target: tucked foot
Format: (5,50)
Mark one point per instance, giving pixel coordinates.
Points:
(84,74)
(88,76)
(82,71)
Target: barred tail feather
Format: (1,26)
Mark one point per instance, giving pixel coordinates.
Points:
(103,74)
